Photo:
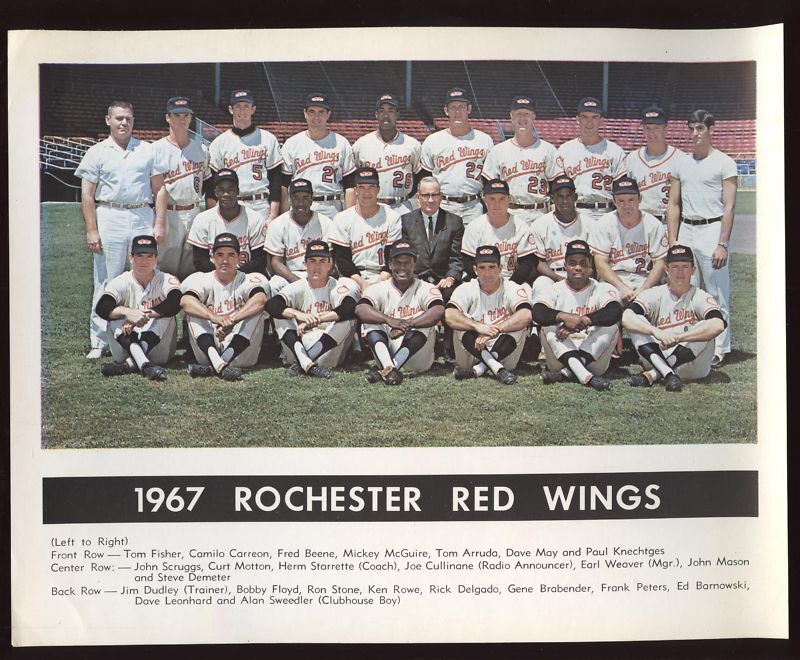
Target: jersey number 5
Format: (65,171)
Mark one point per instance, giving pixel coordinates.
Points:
(258,171)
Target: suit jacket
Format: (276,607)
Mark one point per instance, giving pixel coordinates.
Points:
(440,257)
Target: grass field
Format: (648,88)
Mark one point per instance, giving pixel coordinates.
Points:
(267,409)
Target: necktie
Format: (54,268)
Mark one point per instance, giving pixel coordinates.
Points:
(430,228)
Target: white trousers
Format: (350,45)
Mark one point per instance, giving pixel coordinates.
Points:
(422,360)
(163,328)
(251,328)
(341,332)
(599,342)
(527,215)
(466,360)
(467,211)
(698,368)
(175,255)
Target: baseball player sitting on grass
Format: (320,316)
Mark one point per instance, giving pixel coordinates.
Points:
(315,316)
(490,316)
(398,316)
(224,310)
(673,326)
(140,307)
(578,318)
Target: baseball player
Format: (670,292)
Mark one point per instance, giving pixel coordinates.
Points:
(551,232)
(323,157)
(673,326)
(393,153)
(591,161)
(360,234)
(490,316)
(455,156)
(231,217)
(187,174)
(253,153)
(525,162)
(498,227)
(578,318)
(140,307)
(120,179)
(654,164)
(701,207)
(225,312)
(398,316)
(315,316)
(291,232)
(629,245)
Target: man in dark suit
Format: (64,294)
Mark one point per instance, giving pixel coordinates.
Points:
(436,236)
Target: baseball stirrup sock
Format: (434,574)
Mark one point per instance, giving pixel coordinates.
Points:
(468,342)
(322,346)
(575,364)
(379,344)
(148,340)
(652,353)
(490,360)
(503,346)
(132,348)
(293,343)
(681,355)
(412,342)
(237,346)
(205,343)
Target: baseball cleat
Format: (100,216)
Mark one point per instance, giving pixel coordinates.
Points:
(716,363)
(463,374)
(372,376)
(673,383)
(154,372)
(550,377)
(506,377)
(639,380)
(391,376)
(200,370)
(230,373)
(115,369)
(293,370)
(599,383)
(94,354)
(315,371)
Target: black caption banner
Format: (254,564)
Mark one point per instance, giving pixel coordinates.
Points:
(398,498)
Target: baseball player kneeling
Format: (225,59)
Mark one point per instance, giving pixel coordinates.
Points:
(140,307)
(224,309)
(398,316)
(578,318)
(315,316)
(490,316)
(673,326)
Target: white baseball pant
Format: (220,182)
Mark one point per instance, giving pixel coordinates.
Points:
(341,332)
(175,255)
(421,361)
(599,342)
(468,211)
(251,328)
(466,360)
(164,328)
(698,368)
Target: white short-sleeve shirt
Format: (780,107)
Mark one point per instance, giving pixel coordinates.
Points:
(593,168)
(668,311)
(652,175)
(185,170)
(224,298)
(288,239)
(126,290)
(396,161)
(490,308)
(526,170)
(629,250)
(408,304)
(550,237)
(251,156)
(366,237)
(701,184)
(248,227)
(323,162)
(456,162)
(512,239)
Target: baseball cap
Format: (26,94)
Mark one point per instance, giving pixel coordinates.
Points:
(317,248)
(226,174)
(524,102)
(179,104)
(367,175)
(317,99)
(401,247)
(625,185)
(679,253)
(495,186)
(388,99)
(225,239)
(238,95)
(457,94)
(487,253)
(652,114)
(301,185)
(560,182)
(144,244)
(577,247)
(589,104)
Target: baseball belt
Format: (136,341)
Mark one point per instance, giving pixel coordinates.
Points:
(660,218)
(253,198)
(461,199)
(701,221)
(326,198)
(182,207)
(392,200)
(528,207)
(114,205)
(595,205)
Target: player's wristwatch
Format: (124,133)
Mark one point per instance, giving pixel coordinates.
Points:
(725,245)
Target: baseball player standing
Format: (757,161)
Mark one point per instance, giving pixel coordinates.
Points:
(224,309)
(140,307)
(654,164)
(672,326)
(187,173)
(701,207)
(551,232)
(323,157)
(121,178)
(291,232)
(315,316)
(393,153)
(253,153)
(455,156)
(498,227)
(398,316)
(579,318)
(591,161)
(525,162)
(231,217)
(490,316)
(360,234)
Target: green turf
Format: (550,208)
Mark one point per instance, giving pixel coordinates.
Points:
(746,202)
(267,409)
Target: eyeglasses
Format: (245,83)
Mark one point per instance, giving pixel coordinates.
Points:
(430,195)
